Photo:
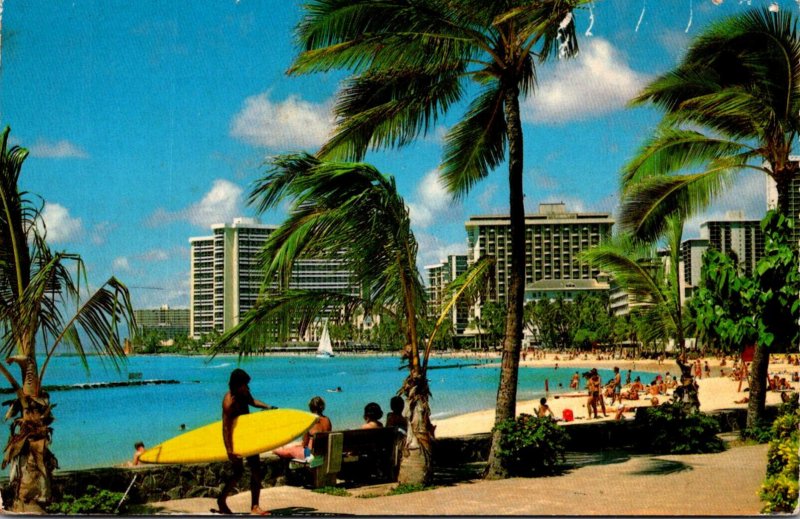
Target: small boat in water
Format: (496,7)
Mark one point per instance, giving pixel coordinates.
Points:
(325,349)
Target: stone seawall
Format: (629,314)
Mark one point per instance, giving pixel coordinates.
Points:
(166,482)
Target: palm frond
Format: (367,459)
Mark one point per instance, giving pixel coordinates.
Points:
(647,204)
(671,150)
(363,35)
(391,108)
(276,316)
(475,145)
(633,265)
(348,211)
(15,218)
(95,325)
(739,112)
(470,281)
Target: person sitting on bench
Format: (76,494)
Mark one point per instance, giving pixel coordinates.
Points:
(372,416)
(322,424)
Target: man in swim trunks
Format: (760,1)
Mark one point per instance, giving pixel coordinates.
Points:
(616,386)
(237,402)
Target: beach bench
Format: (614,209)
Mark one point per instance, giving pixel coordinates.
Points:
(356,454)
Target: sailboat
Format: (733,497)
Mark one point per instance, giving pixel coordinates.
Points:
(325,350)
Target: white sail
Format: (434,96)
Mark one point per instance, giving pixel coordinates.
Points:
(325,348)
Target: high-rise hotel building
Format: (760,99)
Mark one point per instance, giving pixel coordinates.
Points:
(733,236)
(439,276)
(553,240)
(225,278)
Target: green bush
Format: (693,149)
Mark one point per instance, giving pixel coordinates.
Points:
(785,426)
(760,433)
(407,488)
(782,457)
(671,430)
(94,501)
(779,493)
(332,491)
(530,445)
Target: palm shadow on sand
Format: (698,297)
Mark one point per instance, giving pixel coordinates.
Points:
(303,511)
(658,467)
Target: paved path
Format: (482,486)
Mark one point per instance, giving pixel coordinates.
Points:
(707,484)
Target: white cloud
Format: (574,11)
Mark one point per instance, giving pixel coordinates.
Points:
(121,264)
(57,150)
(595,82)
(432,249)
(100,232)
(486,199)
(431,200)
(291,124)
(60,225)
(154,255)
(175,293)
(221,204)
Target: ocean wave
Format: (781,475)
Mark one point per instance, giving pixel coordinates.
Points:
(223,365)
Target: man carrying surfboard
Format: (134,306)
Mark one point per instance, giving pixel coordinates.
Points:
(237,402)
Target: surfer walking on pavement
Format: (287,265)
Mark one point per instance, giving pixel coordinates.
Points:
(237,402)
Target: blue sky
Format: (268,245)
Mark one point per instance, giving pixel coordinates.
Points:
(148,121)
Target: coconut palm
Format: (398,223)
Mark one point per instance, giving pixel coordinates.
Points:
(38,293)
(731,105)
(352,212)
(636,269)
(412,61)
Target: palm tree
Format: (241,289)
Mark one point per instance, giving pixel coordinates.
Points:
(414,59)
(37,292)
(634,266)
(731,105)
(352,212)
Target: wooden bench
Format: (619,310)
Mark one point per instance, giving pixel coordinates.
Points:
(357,454)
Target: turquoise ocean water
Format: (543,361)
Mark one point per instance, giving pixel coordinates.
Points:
(98,427)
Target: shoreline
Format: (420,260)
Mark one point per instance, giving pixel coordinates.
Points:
(715,393)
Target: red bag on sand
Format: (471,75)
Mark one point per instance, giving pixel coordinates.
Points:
(567,414)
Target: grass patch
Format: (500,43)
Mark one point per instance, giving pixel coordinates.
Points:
(409,488)
(332,491)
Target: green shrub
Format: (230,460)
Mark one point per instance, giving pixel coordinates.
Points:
(332,491)
(782,457)
(407,488)
(94,501)
(786,426)
(671,430)
(530,445)
(761,432)
(779,493)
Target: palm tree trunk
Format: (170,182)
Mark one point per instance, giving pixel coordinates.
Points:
(512,343)
(28,448)
(760,366)
(416,467)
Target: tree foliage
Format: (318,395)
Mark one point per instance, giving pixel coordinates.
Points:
(43,309)
(764,309)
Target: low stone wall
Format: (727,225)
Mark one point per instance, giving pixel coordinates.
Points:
(156,482)
(165,482)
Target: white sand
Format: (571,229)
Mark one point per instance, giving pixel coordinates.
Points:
(715,393)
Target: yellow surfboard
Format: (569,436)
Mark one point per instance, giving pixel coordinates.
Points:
(252,434)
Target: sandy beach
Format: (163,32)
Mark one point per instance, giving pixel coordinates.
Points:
(662,483)
(715,393)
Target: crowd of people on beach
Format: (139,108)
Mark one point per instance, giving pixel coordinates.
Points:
(619,395)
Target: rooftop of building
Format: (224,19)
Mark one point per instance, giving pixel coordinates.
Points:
(567,284)
(548,213)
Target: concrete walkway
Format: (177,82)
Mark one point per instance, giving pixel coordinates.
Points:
(726,483)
